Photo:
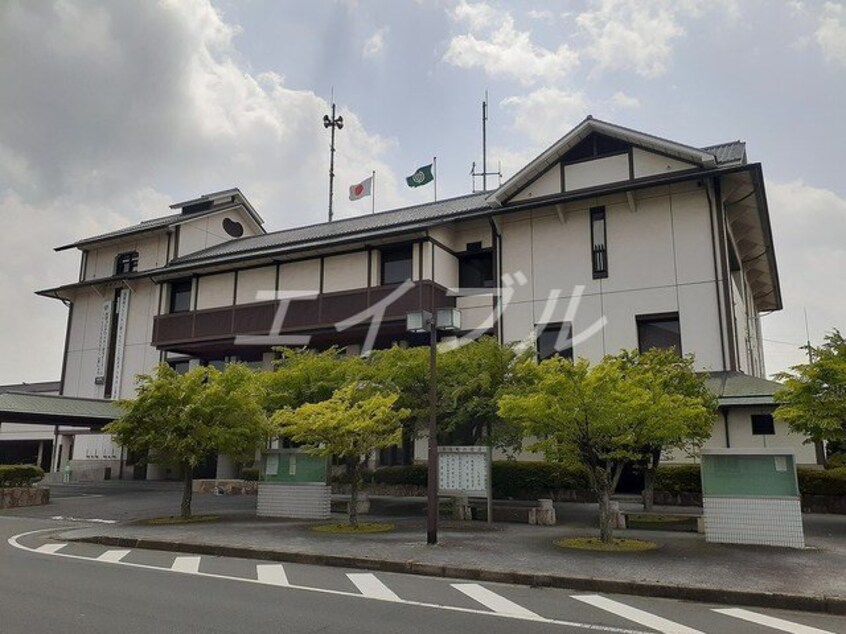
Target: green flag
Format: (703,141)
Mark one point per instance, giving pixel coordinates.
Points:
(422,176)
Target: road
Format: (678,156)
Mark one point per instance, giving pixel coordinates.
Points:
(49,586)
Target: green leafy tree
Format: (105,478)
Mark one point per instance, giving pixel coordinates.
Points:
(813,399)
(471,379)
(354,421)
(679,413)
(601,416)
(182,418)
(301,376)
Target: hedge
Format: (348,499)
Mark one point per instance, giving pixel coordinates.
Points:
(529,480)
(250,474)
(19,475)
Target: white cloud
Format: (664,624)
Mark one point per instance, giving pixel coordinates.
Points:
(831,34)
(798,212)
(629,34)
(546,114)
(621,100)
(500,50)
(119,108)
(375,44)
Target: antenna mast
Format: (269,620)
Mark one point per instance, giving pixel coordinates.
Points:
(484,173)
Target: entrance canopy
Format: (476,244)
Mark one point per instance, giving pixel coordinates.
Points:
(46,409)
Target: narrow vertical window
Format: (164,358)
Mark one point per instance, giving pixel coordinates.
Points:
(599,247)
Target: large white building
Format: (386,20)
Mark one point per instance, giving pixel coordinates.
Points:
(610,239)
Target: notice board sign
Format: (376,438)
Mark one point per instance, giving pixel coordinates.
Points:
(464,471)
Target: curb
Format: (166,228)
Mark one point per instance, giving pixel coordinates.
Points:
(799,602)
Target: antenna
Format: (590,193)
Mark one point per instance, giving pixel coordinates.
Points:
(484,173)
(334,123)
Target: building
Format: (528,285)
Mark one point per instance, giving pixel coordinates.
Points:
(610,239)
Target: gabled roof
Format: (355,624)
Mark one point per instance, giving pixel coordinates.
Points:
(235,195)
(325,232)
(737,388)
(27,407)
(554,153)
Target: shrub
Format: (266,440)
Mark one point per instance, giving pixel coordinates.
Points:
(412,475)
(836,461)
(19,475)
(819,482)
(512,479)
(678,479)
(251,474)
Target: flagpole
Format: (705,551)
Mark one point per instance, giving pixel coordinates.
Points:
(435,175)
(373,194)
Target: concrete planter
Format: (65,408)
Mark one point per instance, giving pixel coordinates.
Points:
(15,497)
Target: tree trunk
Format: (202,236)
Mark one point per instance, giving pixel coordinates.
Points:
(355,483)
(649,475)
(187,490)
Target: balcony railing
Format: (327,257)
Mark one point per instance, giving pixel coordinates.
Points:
(321,312)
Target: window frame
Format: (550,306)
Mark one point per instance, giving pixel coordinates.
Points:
(476,254)
(129,256)
(557,326)
(653,318)
(758,419)
(395,249)
(598,263)
(172,291)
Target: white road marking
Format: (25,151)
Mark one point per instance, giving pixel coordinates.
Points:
(633,614)
(92,520)
(50,549)
(770,621)
(370,586)
(14,541)
(113,555)
(274,574)
(186,564)
(493,601)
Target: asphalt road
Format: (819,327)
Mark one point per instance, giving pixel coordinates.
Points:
(48,586)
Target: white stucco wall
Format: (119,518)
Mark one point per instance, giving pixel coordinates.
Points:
(252,281)
(207,231)
(345,272)
(300,276)
(214,291)
(611,169)
(650,164)
(546,184)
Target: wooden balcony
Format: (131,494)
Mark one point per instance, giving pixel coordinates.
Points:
(319,314)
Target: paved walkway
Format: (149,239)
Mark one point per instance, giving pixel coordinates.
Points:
(684,566)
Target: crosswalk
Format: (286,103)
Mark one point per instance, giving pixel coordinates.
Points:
(619,615)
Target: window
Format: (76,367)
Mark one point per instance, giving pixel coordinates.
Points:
(181,366)
(475,270)
(763,425)
(126,263)
(396,264)
(555,340)
(180,296)
(659,331)
(599,250)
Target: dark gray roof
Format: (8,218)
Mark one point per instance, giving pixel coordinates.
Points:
(730,152)
(327,231)
(44,386)
(737,388)
(62,410)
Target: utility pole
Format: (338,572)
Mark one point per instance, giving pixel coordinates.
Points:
(332,122)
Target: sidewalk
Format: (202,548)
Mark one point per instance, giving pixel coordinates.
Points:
(684,567)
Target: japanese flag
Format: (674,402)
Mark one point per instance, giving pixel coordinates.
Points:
(362,189)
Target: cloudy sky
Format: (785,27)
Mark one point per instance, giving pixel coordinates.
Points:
(110,111)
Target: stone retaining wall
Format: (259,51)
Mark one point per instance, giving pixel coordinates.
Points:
(14,497)
(226,487)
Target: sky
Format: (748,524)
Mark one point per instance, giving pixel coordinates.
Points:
(112,110)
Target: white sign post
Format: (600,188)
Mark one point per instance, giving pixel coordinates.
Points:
(466,471)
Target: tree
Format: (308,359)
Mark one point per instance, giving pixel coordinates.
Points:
(181,418)
(601,416)
(679,414)
(354,421)
(471,379)
(813,399)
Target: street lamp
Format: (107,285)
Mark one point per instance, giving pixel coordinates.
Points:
(332,122)
(420,321)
